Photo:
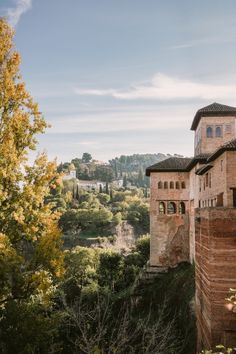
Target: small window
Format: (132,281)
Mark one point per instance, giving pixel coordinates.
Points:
(209,132)
(162,208)
(221,165)
(171,209)
(234,197)
(207,180)
(218,132)
(165,185)
(171,185)
(177,185)
(182,208)
(160,185)
(183,185)
(220,200)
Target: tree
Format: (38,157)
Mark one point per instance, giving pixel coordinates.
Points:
(125,181)
(103,198)
(77,193)
(143,247)
(111,194)
(86,158)
(110,268)
(140,178)
(107,188)
(30,258)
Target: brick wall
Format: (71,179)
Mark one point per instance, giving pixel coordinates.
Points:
(215,246)
(209,145)
(169,243)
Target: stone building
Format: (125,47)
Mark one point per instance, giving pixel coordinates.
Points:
(193,218)
(70,173)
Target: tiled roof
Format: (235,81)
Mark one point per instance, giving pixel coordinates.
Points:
(202,158)
(185,164)
(212,110)
(172,164)
(203,169)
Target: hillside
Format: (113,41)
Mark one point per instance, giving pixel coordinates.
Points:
(130,168)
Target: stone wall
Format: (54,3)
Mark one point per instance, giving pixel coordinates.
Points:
(215,239)
(169,240)
(169,244)
(209,145)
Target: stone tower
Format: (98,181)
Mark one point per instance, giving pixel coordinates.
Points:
(193,218)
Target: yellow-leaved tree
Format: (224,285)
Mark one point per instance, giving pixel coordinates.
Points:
(30,255)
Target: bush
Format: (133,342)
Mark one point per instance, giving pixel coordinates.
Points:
(143,247)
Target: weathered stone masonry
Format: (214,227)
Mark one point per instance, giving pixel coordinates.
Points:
(193,218)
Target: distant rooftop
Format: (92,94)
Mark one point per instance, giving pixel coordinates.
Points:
(172,164)
(212,110)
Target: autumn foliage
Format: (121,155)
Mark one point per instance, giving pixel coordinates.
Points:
(30,255)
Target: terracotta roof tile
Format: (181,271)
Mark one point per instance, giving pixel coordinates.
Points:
(172,164)
(211,110)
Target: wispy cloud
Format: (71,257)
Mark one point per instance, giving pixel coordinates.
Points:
(14,14)
(204,41)
(164,87)
(162,118)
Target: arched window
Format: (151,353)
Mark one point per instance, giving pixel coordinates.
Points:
(218,132)
(171,208)
(162,208)
(209,132)
(171,185)
(177,185)
(160,185)
(181,208)
(183,185)
(165,185)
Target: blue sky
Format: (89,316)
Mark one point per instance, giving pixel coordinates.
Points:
(124,76)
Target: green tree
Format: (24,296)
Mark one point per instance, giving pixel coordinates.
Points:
(140,178)
(143,247)
(125,181)
(107,188)
(110,269)
(86,158)
(103,198)
(69,220)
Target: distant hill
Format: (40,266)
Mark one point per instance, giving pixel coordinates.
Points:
(128,167)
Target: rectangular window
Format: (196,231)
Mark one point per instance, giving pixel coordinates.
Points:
(207,180)
(221,165)
(234,197)
(218,131)
(220,199)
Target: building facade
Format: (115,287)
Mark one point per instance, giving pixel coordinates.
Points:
(193,218)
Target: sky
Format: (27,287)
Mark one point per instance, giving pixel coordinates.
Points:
(117,77)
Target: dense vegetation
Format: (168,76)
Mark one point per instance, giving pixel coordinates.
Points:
(130,168)
(96,214)
(80,300)
(99,307)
